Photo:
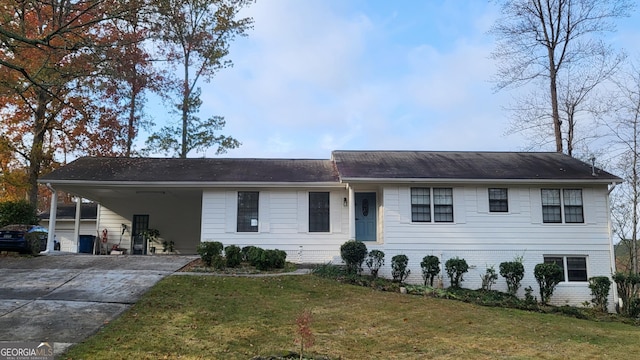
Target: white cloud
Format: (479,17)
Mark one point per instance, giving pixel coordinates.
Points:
(312,77)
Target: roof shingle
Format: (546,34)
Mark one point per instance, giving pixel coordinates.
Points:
(113,169)
(464,165)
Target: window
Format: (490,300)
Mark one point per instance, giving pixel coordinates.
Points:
(422,202)
(573,205)
(248,211)
(552,206)
(498,200)
(574,268)
(420,205)
(318,212)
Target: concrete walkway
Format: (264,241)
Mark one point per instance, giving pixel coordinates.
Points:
(65,298)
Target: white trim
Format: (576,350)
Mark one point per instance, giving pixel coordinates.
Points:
(194,184)
(477,181)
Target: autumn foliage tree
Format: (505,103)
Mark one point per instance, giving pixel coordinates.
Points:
(51,51)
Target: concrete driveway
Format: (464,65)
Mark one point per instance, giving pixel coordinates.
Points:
(65,298)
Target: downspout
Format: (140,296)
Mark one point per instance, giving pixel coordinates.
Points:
(612,253)
(52,219)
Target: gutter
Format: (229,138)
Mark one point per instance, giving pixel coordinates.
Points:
(191,184)
(475,181)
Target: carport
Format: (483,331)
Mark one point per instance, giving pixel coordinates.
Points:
(131,201)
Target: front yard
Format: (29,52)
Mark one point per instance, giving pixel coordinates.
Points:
(208,317)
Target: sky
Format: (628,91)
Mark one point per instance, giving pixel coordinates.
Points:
(320,75)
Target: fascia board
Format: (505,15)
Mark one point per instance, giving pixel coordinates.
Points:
(479,181)
(190,184)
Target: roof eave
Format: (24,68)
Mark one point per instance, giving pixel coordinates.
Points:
(194,184)
(479,181)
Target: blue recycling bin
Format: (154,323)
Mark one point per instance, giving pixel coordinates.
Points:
(86,244)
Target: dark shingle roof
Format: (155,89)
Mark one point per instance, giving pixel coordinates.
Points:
(68,211)
(464,165)
(112,169)
(346,166)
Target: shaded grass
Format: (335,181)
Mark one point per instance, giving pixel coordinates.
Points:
(203,317)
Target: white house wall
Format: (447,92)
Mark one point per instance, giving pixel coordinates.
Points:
(486,239)
(283,218)
(65,230)
(112,222)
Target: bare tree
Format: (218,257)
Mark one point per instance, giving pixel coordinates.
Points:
(556,42)
(623,119)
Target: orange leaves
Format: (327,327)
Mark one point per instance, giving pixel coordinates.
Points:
(52,53)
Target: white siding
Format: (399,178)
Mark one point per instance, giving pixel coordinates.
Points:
(283,220)
(65,229)
(484,239)
(480,237)
(112,222)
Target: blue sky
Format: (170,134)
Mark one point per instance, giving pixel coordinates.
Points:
(321,75)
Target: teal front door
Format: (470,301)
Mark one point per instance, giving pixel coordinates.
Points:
(366,218)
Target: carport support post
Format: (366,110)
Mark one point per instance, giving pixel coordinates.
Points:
(52,218)
(76,227)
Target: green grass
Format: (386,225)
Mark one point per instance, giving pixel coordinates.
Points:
(203,317)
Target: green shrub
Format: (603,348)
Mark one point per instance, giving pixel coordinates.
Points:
(208,250)
(353,253)
(626,284)
(271,259)
(233,255)
(489,278)
(254,256)
(17,212)
(548,275)
(634,308)
(600,286)
(399,269)
(455,268)
(245,252)
(430,269)
(374,262)
(529,299)
(34,242)
(512,272)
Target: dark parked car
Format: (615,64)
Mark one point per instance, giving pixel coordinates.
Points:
(26,239)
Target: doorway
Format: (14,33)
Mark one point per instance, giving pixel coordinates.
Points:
(139,225)
(366,216)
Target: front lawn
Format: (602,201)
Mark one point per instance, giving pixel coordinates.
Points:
(205,317)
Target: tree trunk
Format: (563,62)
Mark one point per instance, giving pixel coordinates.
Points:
(557,123)
(36,154)
(186,94)
(634,232)
(132,118)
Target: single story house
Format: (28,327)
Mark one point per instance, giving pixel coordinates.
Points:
(485,207)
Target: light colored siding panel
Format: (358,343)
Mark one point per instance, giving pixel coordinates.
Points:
(514,195)
(264,211)
(589,204)
(303,211)
(231,214)
(461,205)
(403,204)
(335,212)
(482,200)
(535,201)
